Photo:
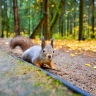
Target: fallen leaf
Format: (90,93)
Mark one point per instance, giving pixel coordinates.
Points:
(6,43)
(72,55)
(94,67)
(87,65)
(77,53)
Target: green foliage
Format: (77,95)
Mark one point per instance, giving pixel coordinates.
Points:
(31,12)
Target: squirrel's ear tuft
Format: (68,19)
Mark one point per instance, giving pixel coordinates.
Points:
(43,42)
(52,42)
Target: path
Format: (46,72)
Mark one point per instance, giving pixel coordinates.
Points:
(19,78)
(74,69)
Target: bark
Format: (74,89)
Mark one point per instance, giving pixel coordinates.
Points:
(3,24)
(29,21)
(74,22)
(0,19)
(68,24)
(59,26)
(89,16)
(16,18)
(62,33)
(6,20)
(80,20)
(46,20)
(93,19)
(71,20)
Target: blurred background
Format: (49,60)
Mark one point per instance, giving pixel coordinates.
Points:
(61,19)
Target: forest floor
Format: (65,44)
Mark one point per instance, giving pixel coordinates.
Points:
(75,61)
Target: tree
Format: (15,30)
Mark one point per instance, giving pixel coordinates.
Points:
(63,17)
(57,15)
(4,18)
(16,18)
(0,19)
(48,32)
(80,20)
(46,20)
(74,1)
(93,18)
(37,29)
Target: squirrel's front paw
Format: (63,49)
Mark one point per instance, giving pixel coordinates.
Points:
(52,66)
(55,68)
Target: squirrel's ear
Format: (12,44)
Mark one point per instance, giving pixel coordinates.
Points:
(52,42)
(43,42)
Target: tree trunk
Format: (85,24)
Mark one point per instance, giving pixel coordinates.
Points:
(68,24)
(29,22)
(74,22)
(2,33)
(16,18)
(56,16)
(6,20)
(62,33)
(93,18)
(59,26)
(37,29)
(71,21)
(46,20)
(0,18)
(89,16)
(80,20)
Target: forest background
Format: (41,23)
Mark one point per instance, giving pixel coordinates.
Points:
(61,19)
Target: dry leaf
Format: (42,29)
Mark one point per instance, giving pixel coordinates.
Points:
(87,65)
(6,43)
(72,55)
(94,67)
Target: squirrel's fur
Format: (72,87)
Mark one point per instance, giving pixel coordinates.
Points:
(23,42)
(36,54)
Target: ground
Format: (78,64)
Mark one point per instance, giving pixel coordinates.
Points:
(19,78)
(74,61)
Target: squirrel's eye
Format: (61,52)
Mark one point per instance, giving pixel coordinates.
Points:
(43,50)
(53,51)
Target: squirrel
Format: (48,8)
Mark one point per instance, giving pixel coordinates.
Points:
(23,42)
(37,55)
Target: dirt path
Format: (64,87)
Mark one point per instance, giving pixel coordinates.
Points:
(22,79)
(75,69)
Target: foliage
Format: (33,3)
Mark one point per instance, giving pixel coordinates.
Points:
(31,12)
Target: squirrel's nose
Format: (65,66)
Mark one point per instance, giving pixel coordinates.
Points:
(49,56)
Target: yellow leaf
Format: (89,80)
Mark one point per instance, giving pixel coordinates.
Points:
(77,53)
(72,55)
(94,67)
(6,43)
(87,65)
(94,50)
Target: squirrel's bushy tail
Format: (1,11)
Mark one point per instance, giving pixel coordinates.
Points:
(23,42)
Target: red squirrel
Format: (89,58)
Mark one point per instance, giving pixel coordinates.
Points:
(36,54)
